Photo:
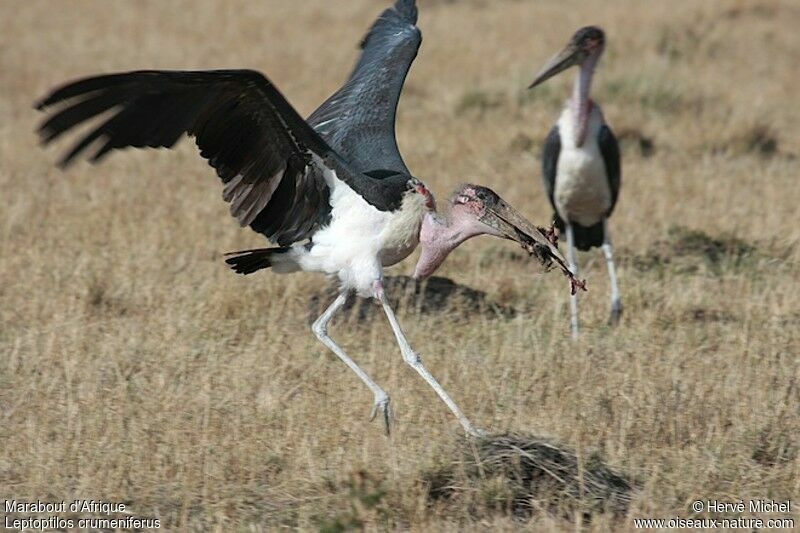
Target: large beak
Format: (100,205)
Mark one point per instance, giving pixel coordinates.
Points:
(537,241)
(563,60)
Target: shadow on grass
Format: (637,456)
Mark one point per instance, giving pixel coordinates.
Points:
(523,475)
(431,296)
(685,250)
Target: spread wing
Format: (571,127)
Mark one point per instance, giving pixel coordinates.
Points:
(358,121)
(272,163)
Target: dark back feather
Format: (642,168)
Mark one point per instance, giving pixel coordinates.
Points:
(609,148)
(550,154)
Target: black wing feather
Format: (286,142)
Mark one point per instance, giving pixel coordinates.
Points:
(609,148)
(263,151)
(358,121)
(552,149)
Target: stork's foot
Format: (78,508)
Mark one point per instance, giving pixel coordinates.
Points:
(616,313)
(383,406)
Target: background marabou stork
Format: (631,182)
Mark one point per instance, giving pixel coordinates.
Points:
(333,193)
(581,163)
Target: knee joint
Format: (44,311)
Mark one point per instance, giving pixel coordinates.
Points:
(412,358)
(320,329)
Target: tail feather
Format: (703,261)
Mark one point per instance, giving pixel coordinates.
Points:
(586,237)
(249,261)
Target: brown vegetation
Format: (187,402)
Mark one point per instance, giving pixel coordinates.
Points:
(135,367)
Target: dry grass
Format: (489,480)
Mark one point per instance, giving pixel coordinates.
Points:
(135,367)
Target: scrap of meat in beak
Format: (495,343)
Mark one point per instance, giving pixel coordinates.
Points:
(508,223)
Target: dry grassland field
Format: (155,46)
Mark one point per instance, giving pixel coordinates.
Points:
(137,369)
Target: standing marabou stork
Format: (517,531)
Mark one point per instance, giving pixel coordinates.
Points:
(332,192)
(581,163)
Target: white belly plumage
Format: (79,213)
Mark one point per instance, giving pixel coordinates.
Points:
(581,191)
(359,241)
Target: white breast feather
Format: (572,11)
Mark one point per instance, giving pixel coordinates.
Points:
(401,235)
(581,191)
(360,239)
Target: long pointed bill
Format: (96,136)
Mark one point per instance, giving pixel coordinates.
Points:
(539,242)
(563,60)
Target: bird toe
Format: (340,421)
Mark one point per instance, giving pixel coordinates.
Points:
(383,406)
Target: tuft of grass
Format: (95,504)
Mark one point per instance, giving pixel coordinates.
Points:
(547,95)
(102,299)
(756,139)
(651,94)
(689,242)
(478,101)
(365,504)
(521,143)
(685,250)
(135,367)
(631,139)
(524,475)
(678,42)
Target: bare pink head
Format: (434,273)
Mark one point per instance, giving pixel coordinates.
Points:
(476,210)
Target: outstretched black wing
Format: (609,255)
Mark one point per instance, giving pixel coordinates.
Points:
(358,121)
(610,152)
(271,161)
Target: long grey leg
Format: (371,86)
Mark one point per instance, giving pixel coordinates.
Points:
(414,360)
(573,266)
(616,299)
(320,328)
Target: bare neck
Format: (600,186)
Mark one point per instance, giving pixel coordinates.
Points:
(580,103)
(439,236)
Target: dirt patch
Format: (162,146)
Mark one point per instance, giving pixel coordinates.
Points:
(705,316)
(101,299)
(758,139)
(479,102)
(521,143)
(775,448)
(633,139)
(368,501)
(686,250)
(523,475)
(687,242)
(434,295)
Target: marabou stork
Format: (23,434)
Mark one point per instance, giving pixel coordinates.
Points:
(333,192)
(581,163)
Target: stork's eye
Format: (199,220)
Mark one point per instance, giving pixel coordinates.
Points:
(592,41)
